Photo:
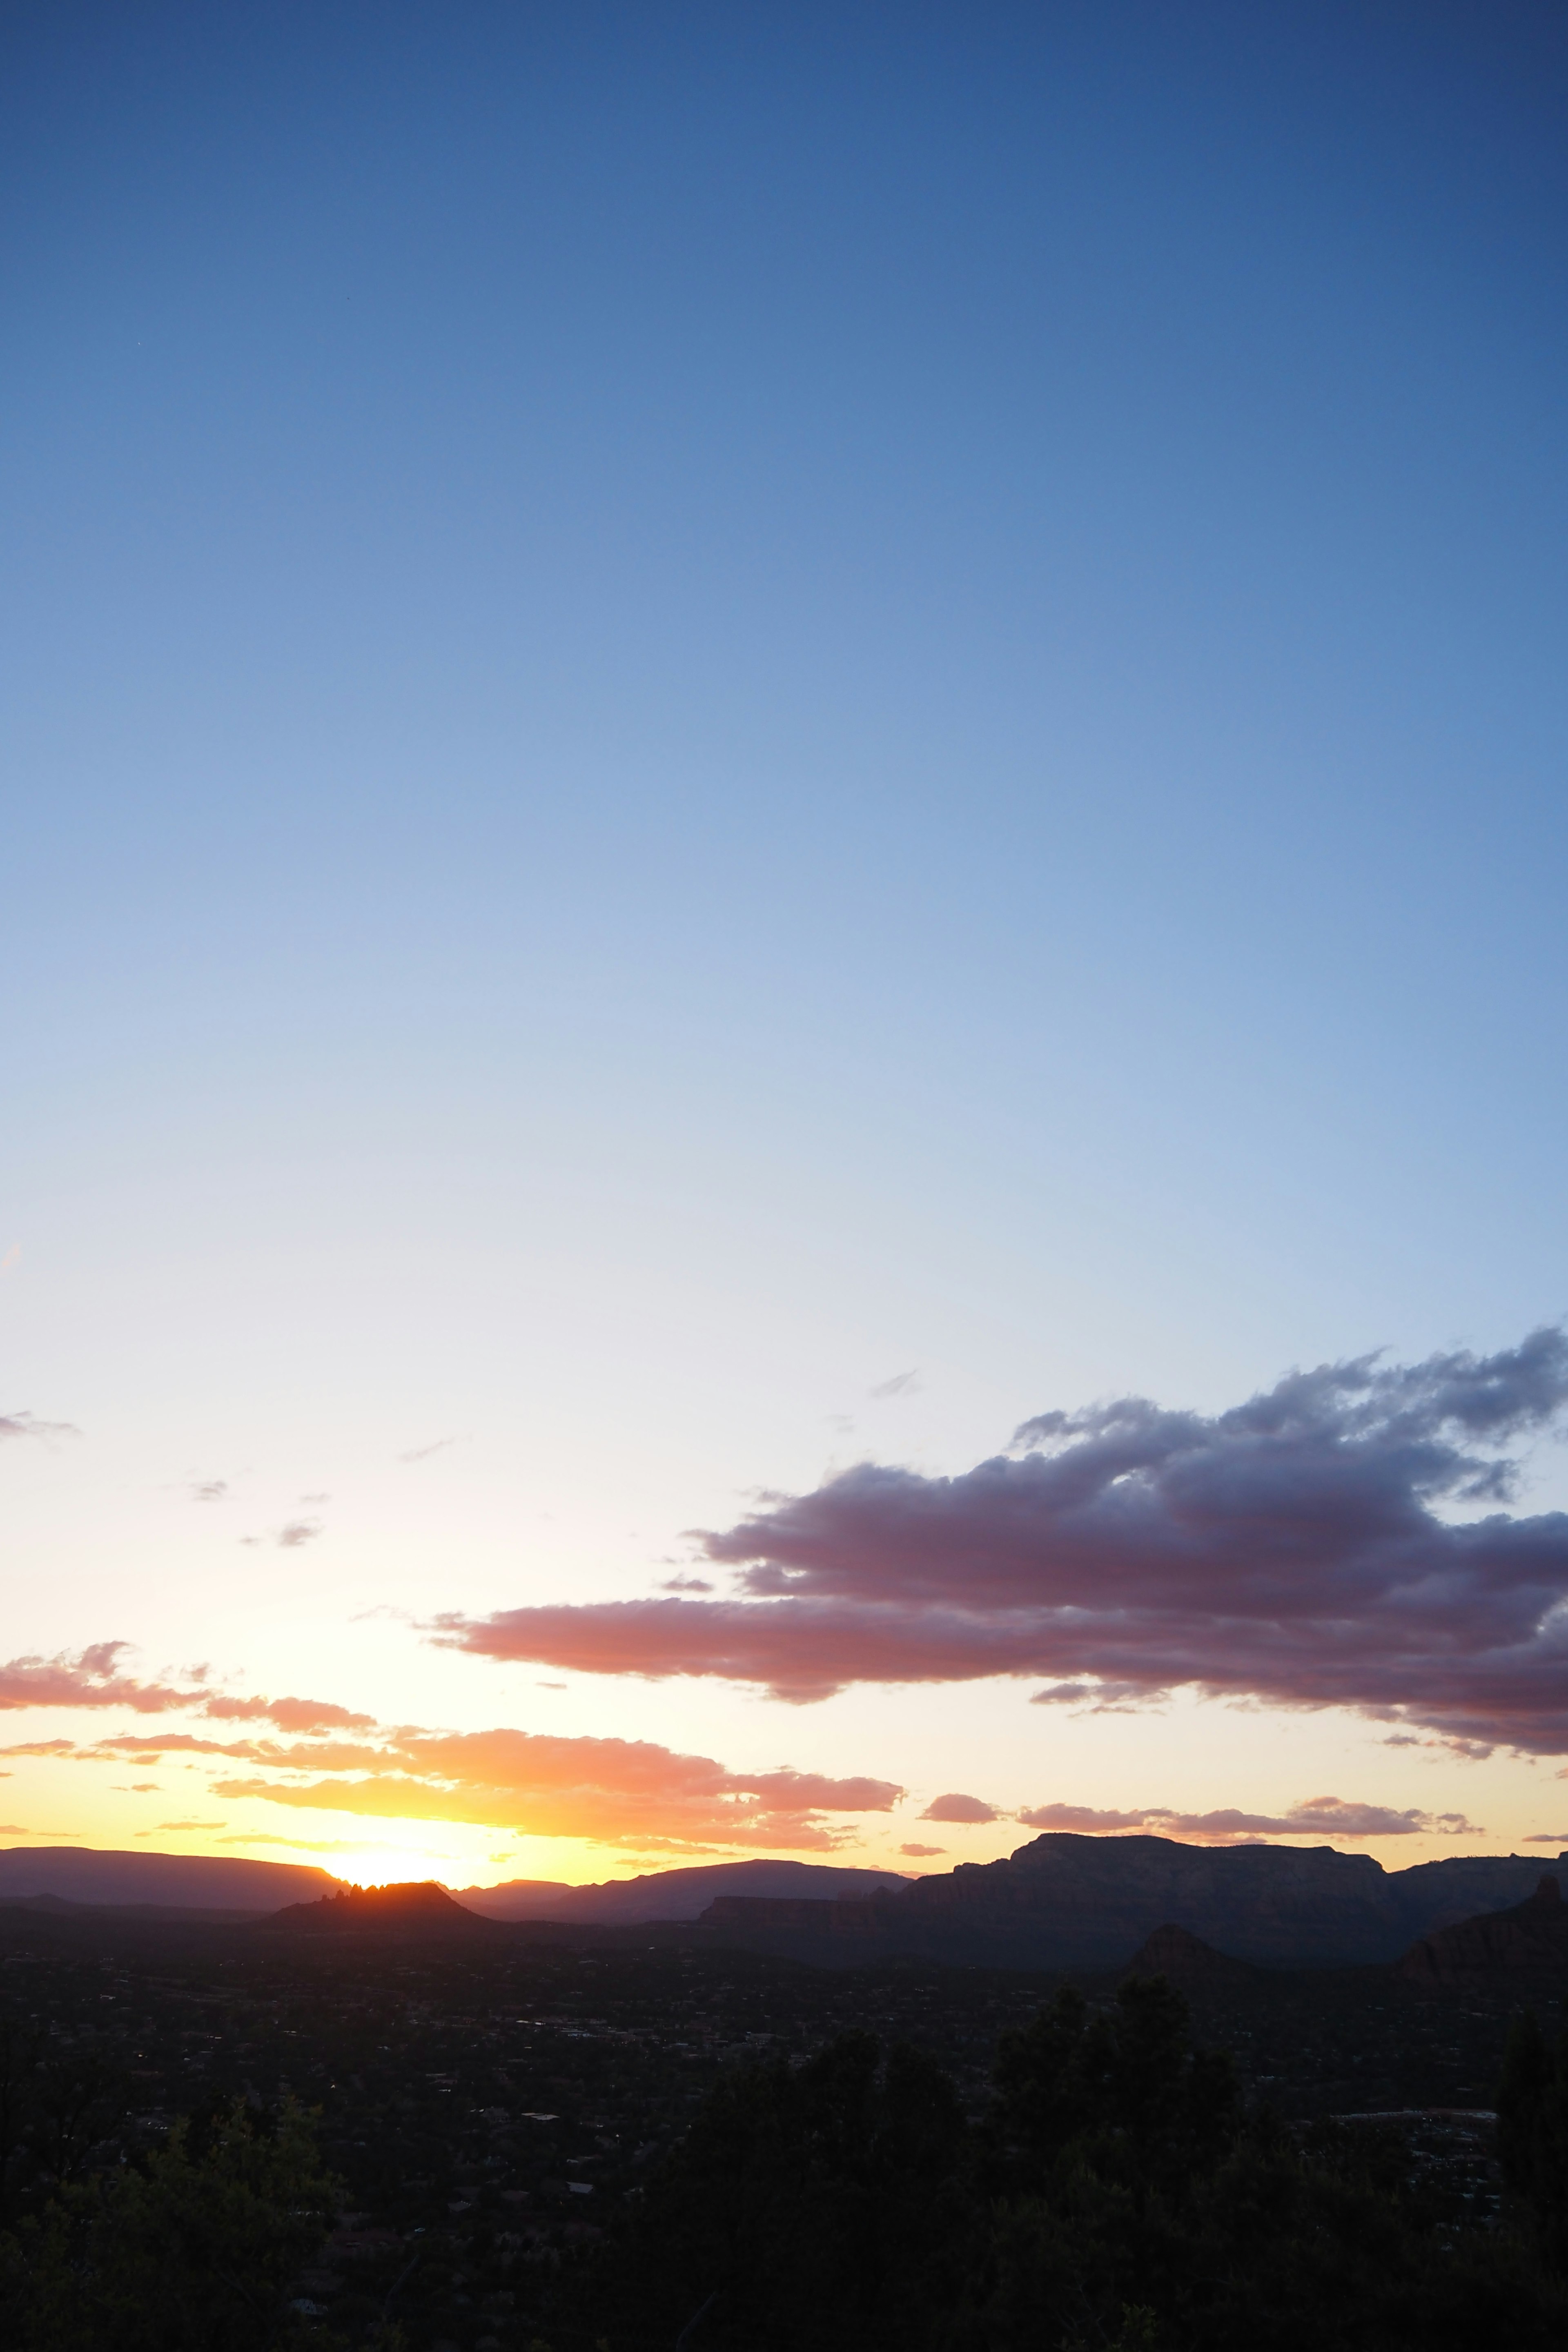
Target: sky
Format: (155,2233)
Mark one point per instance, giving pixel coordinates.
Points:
(785,827)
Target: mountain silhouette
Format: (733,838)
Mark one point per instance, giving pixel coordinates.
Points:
(1070,1901)
(1528,1944)
(682,1893)
(418,1907)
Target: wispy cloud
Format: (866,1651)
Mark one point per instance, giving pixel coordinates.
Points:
(290,1536)
(300,1845)
(1326,1817)
(1317,1546)
(901,1384)
(94,1678)
(423,1452)
(27,1424)
(922,1853)
(209,1490)
(630,1792)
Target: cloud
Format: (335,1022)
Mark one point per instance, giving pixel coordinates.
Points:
(185,1825)
(299,1846)
(956,1807)
(1548,1837)
(921,1852)
(93,1677)
(27,1424)
(288,1713)
(630,1792)
(209,1490)
(615,1792)
(1328,1817)
(901,1384)
(686,1585)
(1291,1550)
(423,1452)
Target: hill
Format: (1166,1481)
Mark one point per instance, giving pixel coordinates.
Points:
(419,1908)
(187,1882)
(672,1894)
(1189,1962)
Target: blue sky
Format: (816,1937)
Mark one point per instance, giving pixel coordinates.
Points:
(704,705)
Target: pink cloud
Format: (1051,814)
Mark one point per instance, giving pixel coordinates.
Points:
(921,1853)
(288,1713)
(1292,1550)
(623,1791)
(93,1677)
(1326,1817)
(955,1807)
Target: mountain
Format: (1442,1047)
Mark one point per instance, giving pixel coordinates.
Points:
(1433,1895)
(1527,1945)
(188,1882)
(169,1914)
(1060,1901)
(515,1898)
(671,1893)
(1065,1901)
(419,1908)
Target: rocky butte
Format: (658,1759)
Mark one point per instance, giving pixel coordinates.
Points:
(1527,1946)
(419,1908)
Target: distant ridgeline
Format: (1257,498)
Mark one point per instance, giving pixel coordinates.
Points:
(1061,1901)
(1087,1902)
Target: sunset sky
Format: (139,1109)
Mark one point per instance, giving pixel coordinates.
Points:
(783,928)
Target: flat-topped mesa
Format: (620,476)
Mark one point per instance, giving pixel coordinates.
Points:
(418,1907)
(1528,1945)
(1070,1901)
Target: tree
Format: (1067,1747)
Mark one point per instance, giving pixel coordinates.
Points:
(189,2250)
(1533,2133)
(824,2205)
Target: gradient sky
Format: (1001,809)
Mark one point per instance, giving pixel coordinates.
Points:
(743,741)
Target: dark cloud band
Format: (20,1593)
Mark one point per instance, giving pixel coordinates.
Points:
(1336,1541)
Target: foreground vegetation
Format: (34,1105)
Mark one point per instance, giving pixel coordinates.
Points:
(1110,2187)
(1116,2194)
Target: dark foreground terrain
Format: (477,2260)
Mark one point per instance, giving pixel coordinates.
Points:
(522,2142)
